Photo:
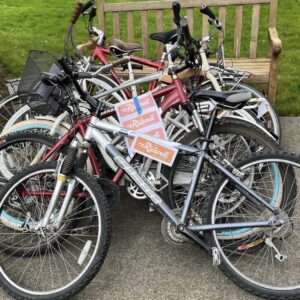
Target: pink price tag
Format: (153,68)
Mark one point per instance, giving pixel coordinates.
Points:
(152,149)
(147,120)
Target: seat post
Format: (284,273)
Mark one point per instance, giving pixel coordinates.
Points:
(211,123)
(131,77)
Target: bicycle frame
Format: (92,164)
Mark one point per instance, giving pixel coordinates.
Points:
(176,97)
(100,54)
(93,132)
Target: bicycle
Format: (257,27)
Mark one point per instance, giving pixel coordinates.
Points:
(99,53)
(263,218)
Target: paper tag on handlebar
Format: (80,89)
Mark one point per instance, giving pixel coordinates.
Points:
(263,107)
(144,119)
(154,149)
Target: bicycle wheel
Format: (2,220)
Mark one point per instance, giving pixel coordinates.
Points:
(269,119)
(264,261)
(61,261)
(14,108)
(19,150)
(10,105)
(233,139)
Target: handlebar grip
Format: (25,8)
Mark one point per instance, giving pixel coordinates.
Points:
(65,65)
(207,11)
(87,5)
(176,12)
(186,31)
(77,11)
(121,61)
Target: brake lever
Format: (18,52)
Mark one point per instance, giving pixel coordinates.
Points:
(215,22)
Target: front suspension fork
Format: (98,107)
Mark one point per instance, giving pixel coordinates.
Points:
(64,170)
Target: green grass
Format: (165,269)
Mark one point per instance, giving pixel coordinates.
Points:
(39,24)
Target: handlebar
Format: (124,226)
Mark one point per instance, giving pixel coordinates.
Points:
(77,11)
(213,19)
(65,65)
(188,39)
(207,11)
(87,5)
(186,31)
(80,8)
(176,12)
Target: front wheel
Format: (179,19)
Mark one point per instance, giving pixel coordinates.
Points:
(50,263)
(264,261)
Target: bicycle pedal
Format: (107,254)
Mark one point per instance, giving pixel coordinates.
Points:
(216,256)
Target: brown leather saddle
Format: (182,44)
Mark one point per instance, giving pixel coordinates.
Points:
(120,48)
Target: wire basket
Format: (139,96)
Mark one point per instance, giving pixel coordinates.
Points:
(39,62)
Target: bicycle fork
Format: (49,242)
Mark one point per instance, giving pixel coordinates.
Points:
(64,169)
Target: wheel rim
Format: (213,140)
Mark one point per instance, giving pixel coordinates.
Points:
(54,267)
(251,257)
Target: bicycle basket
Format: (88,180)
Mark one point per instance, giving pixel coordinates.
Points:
(36,63)
(30,84)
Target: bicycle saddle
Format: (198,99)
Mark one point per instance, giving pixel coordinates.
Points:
(119,47)
(165,37)
(232,99)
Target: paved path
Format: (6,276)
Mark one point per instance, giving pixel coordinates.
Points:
(140,265)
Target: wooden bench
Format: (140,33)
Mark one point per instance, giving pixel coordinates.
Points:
(264,69)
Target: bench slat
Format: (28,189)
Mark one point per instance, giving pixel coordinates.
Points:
(145,32)
(190,17)
(154,5)
(116,25)
(205,25)
(130,33)
(238,23)
(259,68)
(273,13)
(254,30)
(222,18)
(101,14)
(159,28)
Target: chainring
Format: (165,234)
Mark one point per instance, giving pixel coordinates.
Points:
(170,234)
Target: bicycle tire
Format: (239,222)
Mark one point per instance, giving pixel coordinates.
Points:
(10,105)
(250,260)
(228,126)
(99,206)
(18,150)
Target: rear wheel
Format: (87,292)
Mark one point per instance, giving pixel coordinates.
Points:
(232,139)
(19,150)
(10,105)
(266,260)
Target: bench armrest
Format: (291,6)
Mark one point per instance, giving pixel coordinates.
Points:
(275,44)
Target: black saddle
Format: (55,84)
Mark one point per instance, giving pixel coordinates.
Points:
(231,100)
(165,37)
(118,47)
